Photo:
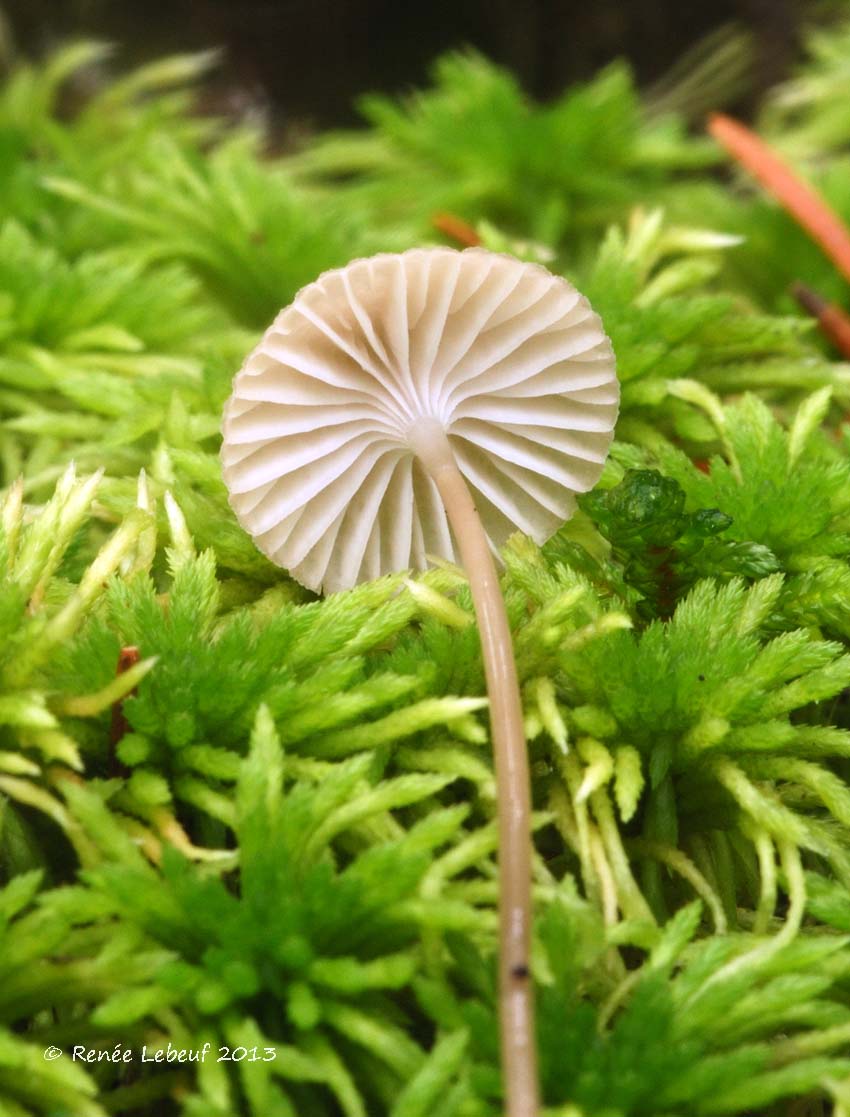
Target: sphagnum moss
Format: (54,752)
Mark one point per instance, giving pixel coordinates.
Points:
(681,644)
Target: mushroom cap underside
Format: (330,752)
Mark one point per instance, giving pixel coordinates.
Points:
(510,360)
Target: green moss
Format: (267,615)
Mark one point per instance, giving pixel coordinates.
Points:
(276,828)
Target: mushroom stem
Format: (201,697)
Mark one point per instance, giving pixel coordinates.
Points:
(513,783)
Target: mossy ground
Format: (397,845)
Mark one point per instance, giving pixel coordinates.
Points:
(275,830)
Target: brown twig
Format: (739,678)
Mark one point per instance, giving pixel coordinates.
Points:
(834,323)
(127,657)
(456,229)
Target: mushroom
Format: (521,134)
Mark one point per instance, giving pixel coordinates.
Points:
(431,403)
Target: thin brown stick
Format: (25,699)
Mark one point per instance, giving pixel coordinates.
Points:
(456,229)
(127,657)
(833,321)
(513,783)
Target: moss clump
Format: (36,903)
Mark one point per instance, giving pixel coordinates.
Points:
(275,830)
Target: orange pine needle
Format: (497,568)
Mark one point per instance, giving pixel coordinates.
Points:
(802,201)
(456,229)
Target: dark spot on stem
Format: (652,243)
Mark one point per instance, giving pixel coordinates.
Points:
(520,972)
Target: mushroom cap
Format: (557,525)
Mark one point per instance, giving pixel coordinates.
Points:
(510,361)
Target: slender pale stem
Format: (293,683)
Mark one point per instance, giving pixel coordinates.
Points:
(516,998)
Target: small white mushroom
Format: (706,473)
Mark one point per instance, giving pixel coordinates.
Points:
(431,403)
(369,364)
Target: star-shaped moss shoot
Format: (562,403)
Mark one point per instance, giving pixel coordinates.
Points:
(431,403)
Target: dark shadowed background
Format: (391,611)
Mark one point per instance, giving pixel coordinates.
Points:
(311,58)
